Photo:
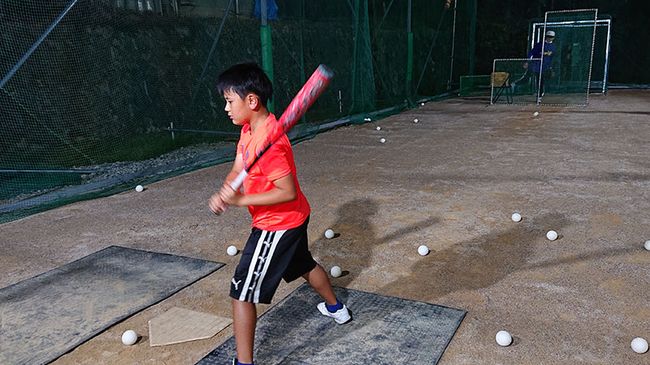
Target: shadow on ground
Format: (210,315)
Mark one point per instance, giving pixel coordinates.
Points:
(357,239)
(474,264)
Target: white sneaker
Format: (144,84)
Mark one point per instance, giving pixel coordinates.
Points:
(341,316)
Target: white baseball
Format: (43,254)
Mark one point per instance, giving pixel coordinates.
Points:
(335,271)
(503,338)
(551,235)
(129,337)
(639,345)
(231,250)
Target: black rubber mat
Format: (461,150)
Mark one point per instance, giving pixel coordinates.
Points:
(46,316)
(384,330)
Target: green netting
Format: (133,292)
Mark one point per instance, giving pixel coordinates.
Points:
(474,85)
(568,81)
(563,75)
(100,95)
(600,62)
(513,81)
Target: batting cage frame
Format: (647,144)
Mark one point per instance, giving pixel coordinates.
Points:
(561,67)
(513,82)
(569,81)
(602,47)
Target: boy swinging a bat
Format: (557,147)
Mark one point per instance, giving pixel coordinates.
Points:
(277,247)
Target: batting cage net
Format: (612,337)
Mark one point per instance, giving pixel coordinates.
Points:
(514,81)
(559,66)
(567,81)
(602,42)
(98,96)
(472,85)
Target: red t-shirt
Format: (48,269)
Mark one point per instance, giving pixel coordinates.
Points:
(275,163)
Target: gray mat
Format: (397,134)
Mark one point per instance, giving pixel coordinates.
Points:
(384,330)
(46,316)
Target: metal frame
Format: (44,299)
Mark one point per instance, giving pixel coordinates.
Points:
(537,31)
(453,47)
(494,63)
(593,41)
(36,44)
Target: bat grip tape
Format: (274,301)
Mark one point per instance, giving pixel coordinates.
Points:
(236,184)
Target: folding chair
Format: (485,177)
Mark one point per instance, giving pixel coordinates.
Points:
(500,82)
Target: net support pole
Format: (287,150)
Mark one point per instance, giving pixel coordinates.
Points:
(36,44)
(591,56)
(606,76)
(267,48)
(409,52)
(540,73)
(453,48)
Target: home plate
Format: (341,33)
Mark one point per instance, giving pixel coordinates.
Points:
(181,325)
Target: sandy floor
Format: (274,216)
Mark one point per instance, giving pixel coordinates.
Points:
(451,182)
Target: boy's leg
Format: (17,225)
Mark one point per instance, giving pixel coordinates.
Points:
(318,280)
(332,308)
(244,316)
(302,264)
(244,313)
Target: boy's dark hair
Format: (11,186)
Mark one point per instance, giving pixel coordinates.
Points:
(245,78)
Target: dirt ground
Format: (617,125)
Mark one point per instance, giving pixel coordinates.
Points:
(451,182)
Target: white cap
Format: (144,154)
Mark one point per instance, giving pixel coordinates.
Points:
(550,33)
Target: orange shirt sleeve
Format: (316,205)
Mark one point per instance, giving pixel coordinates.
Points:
(277,165)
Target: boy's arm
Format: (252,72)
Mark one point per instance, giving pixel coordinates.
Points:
(237,166)
(284,191)
(216,203)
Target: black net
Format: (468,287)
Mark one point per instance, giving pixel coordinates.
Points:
(98,96)
(567,80)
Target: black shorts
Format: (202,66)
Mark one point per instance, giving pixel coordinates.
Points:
(268,257)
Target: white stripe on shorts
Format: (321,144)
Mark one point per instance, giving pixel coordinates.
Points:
(251,267)
(267,263)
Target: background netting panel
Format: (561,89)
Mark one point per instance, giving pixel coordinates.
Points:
(474,85)
(433,40)
(198,106)
(568,81)
(102,87)
(600,66)
(511,84)
(117,94)
(502,32)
